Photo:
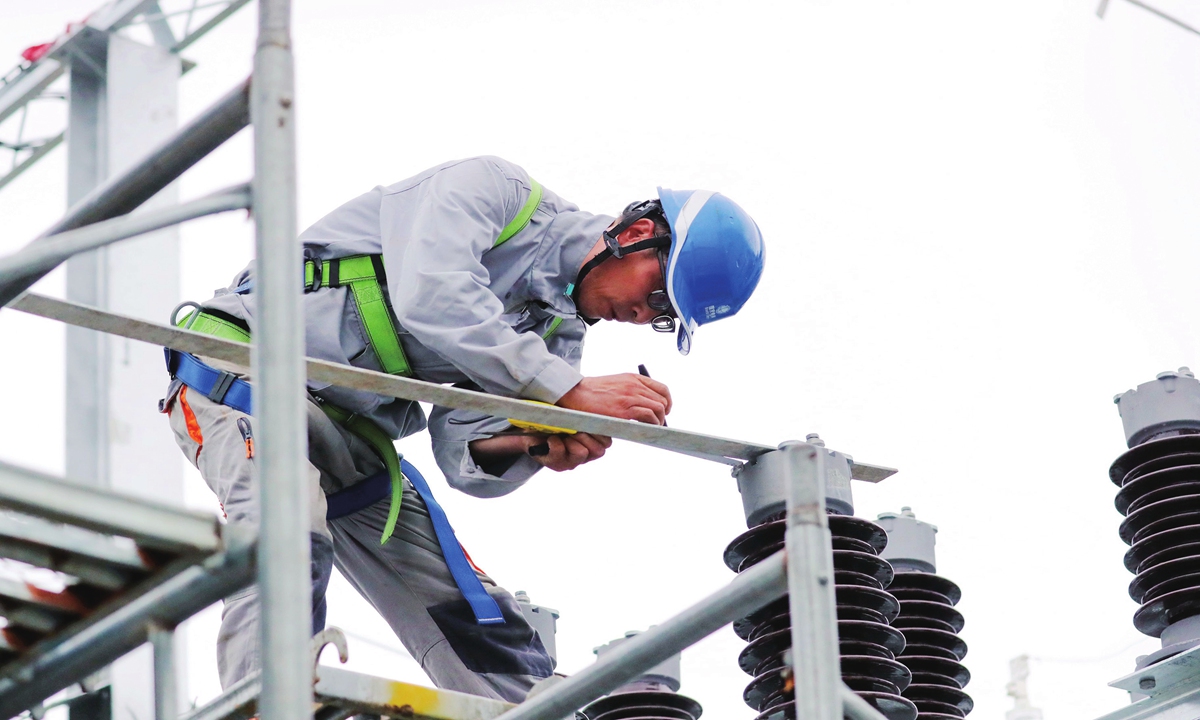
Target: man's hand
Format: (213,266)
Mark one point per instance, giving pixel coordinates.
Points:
(566,452)
(626,396)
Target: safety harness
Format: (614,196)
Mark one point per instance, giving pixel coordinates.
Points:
(366,280)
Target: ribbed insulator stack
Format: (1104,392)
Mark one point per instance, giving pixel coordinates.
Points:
(652,695)
(1159,479)
(1160,499)
(868,643)
(643,706)
(933,651)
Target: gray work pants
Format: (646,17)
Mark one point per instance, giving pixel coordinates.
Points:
(406,580)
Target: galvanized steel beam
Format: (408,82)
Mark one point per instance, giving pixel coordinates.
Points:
(665,438)
(149,524)
(26,266)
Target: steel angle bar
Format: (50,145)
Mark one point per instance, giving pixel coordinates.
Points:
(749,591)
(98,560)
(60,661)
(212,22)
(24,267)
(28,85)
(149,524)
(665,438)
(391,385)
(38,153)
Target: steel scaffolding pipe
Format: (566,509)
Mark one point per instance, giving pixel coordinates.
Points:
(28,265)
(125,192)
(278,371)
(751,590)
(815,664)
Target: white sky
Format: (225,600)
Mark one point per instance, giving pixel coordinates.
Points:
(980,220)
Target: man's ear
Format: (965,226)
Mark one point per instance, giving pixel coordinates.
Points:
(640,230)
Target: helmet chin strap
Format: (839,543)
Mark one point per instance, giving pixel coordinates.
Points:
(654,243)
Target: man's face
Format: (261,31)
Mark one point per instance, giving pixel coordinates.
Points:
(618,289)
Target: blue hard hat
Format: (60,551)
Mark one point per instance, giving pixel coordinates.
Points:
(716,258)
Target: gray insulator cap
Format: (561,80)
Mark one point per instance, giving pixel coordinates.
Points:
(764,494)
(1164,406)
(661,677)
(910,541)
(544,622)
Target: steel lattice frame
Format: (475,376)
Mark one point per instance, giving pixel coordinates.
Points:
(803,571)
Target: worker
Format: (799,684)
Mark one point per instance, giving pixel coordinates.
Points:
(469,273)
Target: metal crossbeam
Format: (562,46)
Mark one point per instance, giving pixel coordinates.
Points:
(125,192)
(38,153)
(673,439)
(26,266)
(99,560)
(149,524)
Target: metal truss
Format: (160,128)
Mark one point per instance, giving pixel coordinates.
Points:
(77,639)
(130,568)
(173,24)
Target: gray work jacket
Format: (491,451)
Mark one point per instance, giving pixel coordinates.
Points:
(466,313)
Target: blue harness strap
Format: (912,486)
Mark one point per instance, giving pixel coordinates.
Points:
(218,385)
(487,612)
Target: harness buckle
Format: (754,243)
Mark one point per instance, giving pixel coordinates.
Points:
(221,386)
(316,281)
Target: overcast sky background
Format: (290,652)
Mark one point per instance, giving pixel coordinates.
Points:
(980,221)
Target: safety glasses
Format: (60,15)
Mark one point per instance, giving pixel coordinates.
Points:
(660,301)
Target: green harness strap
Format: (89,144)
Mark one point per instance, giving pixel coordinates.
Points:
(212,325)
(365,277)
(383,447)
(522,219)
(553,327)
(363,274)
(360,426)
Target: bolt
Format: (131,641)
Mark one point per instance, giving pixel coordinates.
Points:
(1146,683)
(1186,372)
(814,439)
(906,511)
(521,596)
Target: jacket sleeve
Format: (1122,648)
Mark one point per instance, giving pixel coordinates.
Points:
(439,285)
(451,430)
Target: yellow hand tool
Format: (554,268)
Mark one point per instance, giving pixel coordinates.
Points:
(538,427)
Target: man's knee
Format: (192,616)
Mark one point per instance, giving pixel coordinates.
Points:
(512,648)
